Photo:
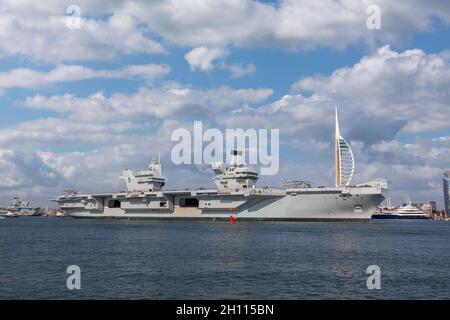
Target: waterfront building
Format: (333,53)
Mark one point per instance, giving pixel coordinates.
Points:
(433,206)
(446,182)
(344,159)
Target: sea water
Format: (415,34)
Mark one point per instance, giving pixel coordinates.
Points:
(126,259)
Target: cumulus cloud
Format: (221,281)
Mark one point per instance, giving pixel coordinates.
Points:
(285,24)
(39,174)
(63,132)
(414,168)
(202,58)
(238,70)
(29,78)
(112,28)
(42,34)
(407,90)
(24,169)
(171,101)
(206,59)
(383,94)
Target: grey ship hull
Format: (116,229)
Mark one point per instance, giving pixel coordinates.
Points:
(328,204)
(236,195)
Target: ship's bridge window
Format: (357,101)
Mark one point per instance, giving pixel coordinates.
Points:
(189,202)
(113,204)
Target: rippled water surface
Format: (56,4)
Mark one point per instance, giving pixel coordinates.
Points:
(122,259)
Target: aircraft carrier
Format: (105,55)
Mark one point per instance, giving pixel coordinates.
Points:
(236,196)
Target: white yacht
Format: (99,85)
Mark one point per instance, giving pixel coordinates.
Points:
(18,207)
(406,211)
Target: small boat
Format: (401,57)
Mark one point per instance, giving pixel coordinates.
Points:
(11,214)
(60,214)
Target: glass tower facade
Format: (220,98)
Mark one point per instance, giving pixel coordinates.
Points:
(447,192)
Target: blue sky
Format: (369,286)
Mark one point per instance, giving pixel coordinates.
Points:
(78,106)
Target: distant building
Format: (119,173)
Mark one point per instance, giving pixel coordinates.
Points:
(433,206)
(447,192)
(425,207)
(344,160)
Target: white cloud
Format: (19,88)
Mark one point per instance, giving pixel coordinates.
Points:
(383,94)
(62,132)
(29,78)
(289,24)
(422,152)
(206,59)
(112,28)
(45,37)
(145,71)
(54,7)
(172,101)
(305,122)
(238,70)
(30,172)
(415,169)
(202,58)
(406,90)
(24,168)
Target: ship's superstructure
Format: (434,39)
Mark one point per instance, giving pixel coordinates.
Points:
(18,207)
(236,195)
(235,176)
(151,179)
